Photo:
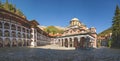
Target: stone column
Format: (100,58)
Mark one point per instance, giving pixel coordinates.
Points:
(36,38)
(95,43)
(16,34)
(3,42)
(11,42)
(72,42)
(68,42)
(10,35)
(22,35)
(63,42)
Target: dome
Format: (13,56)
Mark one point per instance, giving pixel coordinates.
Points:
(75,19)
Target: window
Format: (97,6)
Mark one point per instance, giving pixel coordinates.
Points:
(7,34)
(13,34)
(13,27)
(7,26)
(19,35)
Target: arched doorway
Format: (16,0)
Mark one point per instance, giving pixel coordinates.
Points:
(19,42)
(24,43)
(28,42)
(70,42)
(14,42)
(82,42)
(7,33)
(76,42)
(7,42)
(6,26)
(1,42)
(66,42)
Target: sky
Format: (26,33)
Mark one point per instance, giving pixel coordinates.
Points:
(93,13)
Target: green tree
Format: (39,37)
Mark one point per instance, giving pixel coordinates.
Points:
(6,5)
(18,11)
(116,29)
(11,8)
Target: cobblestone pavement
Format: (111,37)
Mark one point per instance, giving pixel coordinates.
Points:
(56,53)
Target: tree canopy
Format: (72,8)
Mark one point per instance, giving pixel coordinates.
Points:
(10,7)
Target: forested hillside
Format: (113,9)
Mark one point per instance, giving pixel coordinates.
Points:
(105,32)
(53,30)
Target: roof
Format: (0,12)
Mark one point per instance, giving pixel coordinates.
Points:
(34,21)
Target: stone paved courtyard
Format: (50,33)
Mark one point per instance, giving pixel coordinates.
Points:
(55,53)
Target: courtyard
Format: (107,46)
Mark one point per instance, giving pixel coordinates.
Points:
(56,53)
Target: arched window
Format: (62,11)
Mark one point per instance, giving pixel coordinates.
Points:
(19,28)
(66,42)
(13,27)
(23,35)
(31,36)
(7,42)
(28,36)
(7,33)
(20,42)
(13,34)
(19,35)
(14,42)
(27,30)
(6,25)
(23,29)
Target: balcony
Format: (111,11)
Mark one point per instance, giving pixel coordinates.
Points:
(13,27)
(6,26)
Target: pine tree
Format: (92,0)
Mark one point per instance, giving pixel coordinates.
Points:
(116,29)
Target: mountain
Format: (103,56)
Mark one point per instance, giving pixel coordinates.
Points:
(106,32)
(52,29)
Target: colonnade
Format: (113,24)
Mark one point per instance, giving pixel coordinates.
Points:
(81,41)
(13,34)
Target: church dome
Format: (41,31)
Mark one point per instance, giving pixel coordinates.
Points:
(75,19)
(75,22)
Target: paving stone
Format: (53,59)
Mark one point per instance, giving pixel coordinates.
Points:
(55,53)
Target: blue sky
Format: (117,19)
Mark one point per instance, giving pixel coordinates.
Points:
(93,13)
